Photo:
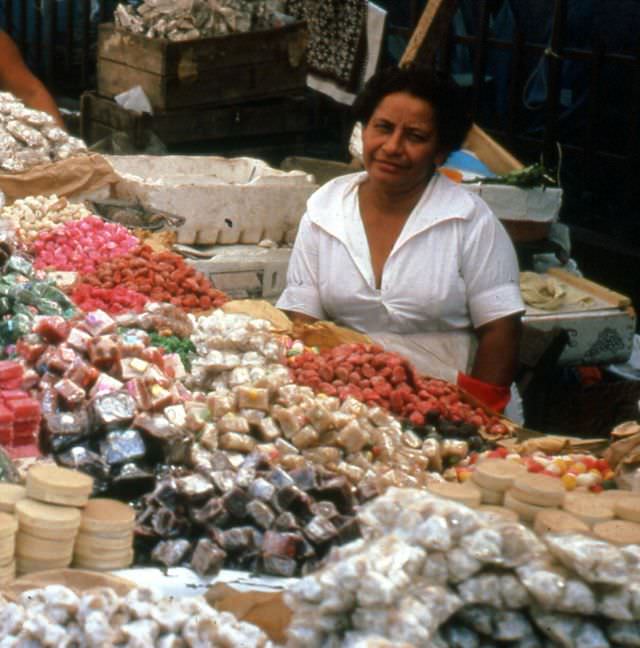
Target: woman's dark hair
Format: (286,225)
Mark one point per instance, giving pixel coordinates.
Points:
(448,100)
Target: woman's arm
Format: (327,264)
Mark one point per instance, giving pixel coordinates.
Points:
(496,360)
(16,78)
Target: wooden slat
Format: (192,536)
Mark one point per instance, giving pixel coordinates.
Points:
(496,157)
(611,297)
(281,116)
(240,83)
(427,35)
(205,56)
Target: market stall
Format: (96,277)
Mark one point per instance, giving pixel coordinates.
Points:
(155,428)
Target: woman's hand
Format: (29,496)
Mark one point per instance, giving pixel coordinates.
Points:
(496,360)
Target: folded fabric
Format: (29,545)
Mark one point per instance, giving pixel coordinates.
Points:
(495,397)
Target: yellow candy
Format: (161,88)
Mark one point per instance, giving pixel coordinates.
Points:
(578,468)
(608,475)
(463,475)
(555,468)
(561,464)
(569,481)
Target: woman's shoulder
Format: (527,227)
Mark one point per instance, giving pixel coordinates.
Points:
(334,191)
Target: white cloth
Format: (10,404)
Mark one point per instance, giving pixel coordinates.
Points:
(453,267)
(376,18)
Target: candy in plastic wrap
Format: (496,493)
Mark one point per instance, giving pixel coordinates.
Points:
(122,446)
(25,134)
(83,459)
(113,409)
(570,631)
(594,560)
(624,633)
(70,393)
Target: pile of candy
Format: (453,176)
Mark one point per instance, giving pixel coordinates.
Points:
(377,377)
(574,470)
(111,300)
(161,276)
(19,413)
(82,245)
(35,214)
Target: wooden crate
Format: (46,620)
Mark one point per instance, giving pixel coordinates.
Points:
(101,117)
(218,70)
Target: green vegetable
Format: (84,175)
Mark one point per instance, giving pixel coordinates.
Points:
(534,175)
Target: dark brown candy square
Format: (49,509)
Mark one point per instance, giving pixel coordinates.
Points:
(122,446)
(171,552)
(280,478)
(212,513)
(223,480)
(320,530)
(325,509)
(261,514)
(261,489)
(305,478)
(291,498)
(279,566)
(340,492)
(235,501)
(287,521)
(194,487)
(240,539)
(208,558)
(287,545)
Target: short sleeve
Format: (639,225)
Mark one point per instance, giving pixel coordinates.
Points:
(301,294)
(490,269)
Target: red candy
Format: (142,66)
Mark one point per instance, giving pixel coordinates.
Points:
(377,377)
(111,300)
(81,245)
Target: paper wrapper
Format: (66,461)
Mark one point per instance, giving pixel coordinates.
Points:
(553,445)
(77,175)
(78,580)
(267,610)
(260,309)
(326,335)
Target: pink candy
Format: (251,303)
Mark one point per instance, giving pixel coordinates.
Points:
(81,245)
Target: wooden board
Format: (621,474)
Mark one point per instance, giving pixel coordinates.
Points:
(220,70)
(203,56)
(102,117)
(591,288)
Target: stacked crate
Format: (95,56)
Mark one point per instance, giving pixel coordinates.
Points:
(243,85)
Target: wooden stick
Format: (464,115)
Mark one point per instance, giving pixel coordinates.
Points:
(429,31)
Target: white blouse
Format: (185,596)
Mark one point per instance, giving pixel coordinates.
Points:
(452,268)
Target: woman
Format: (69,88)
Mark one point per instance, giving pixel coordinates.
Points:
(402,253)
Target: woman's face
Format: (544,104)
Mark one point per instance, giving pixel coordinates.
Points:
(400,142)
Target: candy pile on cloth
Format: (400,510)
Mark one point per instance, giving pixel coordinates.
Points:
(430,572)
(23,297)
(82,245)
(244,512)
(35,214)
(252,400)
(56,616)
(19,413)
(161,276)
(577,470)
(29,137)
(378,377)
(179,20)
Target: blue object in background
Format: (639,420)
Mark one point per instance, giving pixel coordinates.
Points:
(467,161)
